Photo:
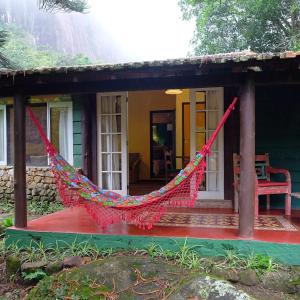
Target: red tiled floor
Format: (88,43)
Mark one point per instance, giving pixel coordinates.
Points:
(77,220)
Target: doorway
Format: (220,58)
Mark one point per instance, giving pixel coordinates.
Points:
(162,142)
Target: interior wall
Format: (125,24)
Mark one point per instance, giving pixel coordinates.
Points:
(140,104)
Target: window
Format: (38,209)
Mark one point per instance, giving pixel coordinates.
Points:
(2,135)
(60,128)
(56,120)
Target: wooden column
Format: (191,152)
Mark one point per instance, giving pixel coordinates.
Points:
(247,152)
(20,161)
(89,136)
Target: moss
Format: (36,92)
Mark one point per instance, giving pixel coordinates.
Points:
(13,265)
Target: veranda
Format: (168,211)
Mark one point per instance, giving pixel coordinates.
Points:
(265,121)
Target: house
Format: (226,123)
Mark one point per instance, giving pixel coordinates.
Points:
(98,115)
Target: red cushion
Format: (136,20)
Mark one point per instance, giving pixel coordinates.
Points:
(271,183)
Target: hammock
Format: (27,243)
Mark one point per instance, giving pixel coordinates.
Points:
(108,207)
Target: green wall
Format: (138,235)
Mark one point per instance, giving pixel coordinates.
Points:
(77,141)
(278,132)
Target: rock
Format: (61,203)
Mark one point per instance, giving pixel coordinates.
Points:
(227,274)
(208,288)
(30,267)
(72,261)
(280,281)
(54,267)
(149,277)
(248,277)
(37,179)
(87,260)
(13,265)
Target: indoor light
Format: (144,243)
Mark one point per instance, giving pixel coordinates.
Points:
(173,92)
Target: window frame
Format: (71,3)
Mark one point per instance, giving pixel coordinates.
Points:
(4,162)
(69,106)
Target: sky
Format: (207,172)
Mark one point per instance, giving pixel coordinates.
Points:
(145,29)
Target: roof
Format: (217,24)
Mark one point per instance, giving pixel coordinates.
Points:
(223,58)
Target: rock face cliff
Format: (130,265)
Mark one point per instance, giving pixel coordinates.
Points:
(71,33)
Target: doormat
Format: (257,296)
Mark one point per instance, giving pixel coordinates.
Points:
(231,221)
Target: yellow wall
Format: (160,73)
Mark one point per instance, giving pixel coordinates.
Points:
(139,106)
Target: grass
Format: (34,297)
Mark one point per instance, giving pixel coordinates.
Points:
(34,207)
(184,255)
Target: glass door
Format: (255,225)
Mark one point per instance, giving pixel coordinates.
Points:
(206,109)
(112,141)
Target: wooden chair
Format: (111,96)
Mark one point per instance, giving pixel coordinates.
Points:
(263,183)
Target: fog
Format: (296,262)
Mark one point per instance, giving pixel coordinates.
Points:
(112,30)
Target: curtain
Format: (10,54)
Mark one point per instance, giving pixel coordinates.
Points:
(2,133)
(63,133)
(111,142)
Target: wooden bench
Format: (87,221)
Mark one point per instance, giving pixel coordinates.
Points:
(263,183)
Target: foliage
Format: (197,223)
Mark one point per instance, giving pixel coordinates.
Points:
(34,276)
(258,262)
(233,25)
(7,222)
(20,48)
(37,208)
(64,5)
(6,206)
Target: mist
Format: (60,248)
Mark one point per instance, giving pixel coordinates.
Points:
(112,31)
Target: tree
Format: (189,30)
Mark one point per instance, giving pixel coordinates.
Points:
(64,5)
(21,49)
(48,5)
(234,25)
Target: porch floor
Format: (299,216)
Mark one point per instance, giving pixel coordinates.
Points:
(77,220)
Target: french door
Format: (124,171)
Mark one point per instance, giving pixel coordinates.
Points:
(206,109)
(112,141)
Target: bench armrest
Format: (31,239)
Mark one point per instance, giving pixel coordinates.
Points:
(285,172)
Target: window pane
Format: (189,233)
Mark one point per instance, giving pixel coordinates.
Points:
(116,142)
(212,181)
(116,162)
(200,140)
(105,123)
(35,149)
(2,150)
(115,123)
(105,181)
(105,142)
(10,135)
(116,182)
(59,130)
(106,162)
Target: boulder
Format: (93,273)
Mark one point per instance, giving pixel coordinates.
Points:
(72,261)
(31,267)
(54,267)
(227,274)
(280,281)
(133,277)
(248,277)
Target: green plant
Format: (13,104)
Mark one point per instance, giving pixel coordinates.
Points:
(261,263)
(34,276)
(8,222)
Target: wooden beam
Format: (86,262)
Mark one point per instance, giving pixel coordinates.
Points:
(20,161)
(247,152)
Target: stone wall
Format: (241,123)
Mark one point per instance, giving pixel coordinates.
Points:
(40,184)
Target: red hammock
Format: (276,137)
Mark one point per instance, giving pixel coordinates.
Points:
(108,207)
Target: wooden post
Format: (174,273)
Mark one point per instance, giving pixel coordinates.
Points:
(247,163)
(20,161)
(89,137)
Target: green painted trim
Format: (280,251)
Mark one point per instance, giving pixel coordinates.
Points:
(285,253)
